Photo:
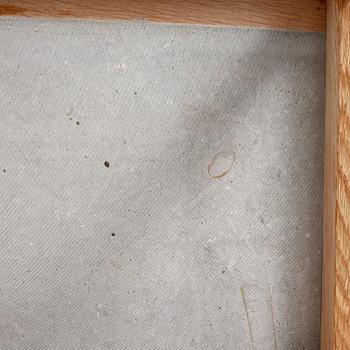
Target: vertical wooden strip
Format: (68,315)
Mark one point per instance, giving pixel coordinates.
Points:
(336,261)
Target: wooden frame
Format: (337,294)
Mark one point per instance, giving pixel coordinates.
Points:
(308,15)
(305,15)
(336,249)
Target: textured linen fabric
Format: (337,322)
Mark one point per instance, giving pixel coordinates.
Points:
(160,185)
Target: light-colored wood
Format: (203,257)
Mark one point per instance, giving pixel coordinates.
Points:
(336,261)
(306,15)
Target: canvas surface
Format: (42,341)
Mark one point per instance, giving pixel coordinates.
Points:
(160,185)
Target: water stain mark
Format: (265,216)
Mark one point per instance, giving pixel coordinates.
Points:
(116,264)
(221,163)
(258,308)
(245,306)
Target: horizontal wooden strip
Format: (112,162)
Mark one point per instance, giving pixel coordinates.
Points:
(304,15)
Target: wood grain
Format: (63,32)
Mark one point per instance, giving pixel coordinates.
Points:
(336,263)
(305,15)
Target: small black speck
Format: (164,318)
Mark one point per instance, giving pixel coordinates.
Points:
(113,234)
(4,170)
(106,164)
(85,157)
(70,118)
(223,271)
(77,123)
(135,93)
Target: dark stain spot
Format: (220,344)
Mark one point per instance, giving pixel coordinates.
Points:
(4,170)
(106,164)
(221,164)
(78,123)
(113,234)
(6,10)
(135,93)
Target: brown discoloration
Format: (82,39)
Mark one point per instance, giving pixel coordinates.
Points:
(245,306)
(226,156)
(116,264)
(10,10)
